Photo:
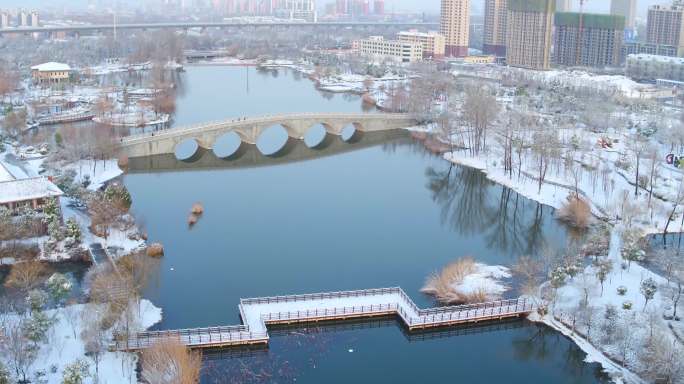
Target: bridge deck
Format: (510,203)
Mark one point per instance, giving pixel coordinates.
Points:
(257,313)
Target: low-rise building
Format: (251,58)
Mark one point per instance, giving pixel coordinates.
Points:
(480,59)
(653,67)
(397,50)
(32,192)
(432,42)
(636,47)
(51,73)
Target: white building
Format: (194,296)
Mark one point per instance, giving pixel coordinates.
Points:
(377,46)
(653,67)
(433,43)
(32,192)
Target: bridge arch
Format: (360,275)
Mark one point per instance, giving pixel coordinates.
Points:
(227,145)
(318,136)
(351,132)
(272,139)
(187,150)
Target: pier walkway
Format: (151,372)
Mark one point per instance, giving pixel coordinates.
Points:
(258,313)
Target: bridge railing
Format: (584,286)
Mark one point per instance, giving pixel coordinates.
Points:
(495,309)
(261,119)
(321,296)
(330,312)
(189,337)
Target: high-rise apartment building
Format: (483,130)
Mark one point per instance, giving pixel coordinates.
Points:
(4,19)
(626,8)
(494,42)
(529,33)
(379,7)
(22,18)
(34,20)
(455,26)
(665,27)
(596,44)
(563,5)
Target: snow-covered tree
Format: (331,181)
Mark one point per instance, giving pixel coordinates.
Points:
(73,230)
(648,288)
(76,372)
(603,269)
(59,286)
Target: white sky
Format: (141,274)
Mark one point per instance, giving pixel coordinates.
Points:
(430,6)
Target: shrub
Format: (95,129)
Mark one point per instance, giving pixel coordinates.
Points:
(621,290)
(167,361)
(575,211)
(627,305)
(155,250)
(76,372)
(118,195)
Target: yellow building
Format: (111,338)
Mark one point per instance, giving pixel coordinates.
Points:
(484,59)
(397,50)
(432,42)
(51,73)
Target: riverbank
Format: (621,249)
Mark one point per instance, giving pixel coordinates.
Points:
(602,307)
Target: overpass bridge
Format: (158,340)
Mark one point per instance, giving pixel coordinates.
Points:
(249,129)
(85,28)
(258,313)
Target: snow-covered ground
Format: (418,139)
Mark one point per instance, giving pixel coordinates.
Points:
(98,172)
(487,279)
(63,348)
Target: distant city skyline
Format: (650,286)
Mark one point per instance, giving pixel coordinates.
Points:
(432,6)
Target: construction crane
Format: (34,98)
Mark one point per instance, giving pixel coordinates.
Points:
(580,33)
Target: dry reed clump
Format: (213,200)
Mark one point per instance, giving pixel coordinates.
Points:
(155,250)
(169,362)
(575,211)
(192,220)
(122,162)
(197,209)
(441,284)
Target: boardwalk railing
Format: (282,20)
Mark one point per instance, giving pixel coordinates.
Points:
(257,313)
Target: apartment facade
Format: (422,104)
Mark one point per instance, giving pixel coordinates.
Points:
(625,8)
(664,26)
(596,44)
(51,73)
(563,5)
(404,52)
(652,67)
(455,26)
(529,33)
(494,42)
(432,42)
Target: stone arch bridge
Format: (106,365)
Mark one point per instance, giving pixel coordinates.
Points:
(249,130)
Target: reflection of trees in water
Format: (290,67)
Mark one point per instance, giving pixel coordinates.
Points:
(540,343)
(508,222)
(294,352)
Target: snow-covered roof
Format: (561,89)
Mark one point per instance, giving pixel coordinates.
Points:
(27,189)
(659,58)
(5,174)
(51,67)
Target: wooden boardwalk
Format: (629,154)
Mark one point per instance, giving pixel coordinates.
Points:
(258,313)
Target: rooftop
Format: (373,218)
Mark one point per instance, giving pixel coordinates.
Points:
(27,189)
(51,67)
(659,58)
(5,174)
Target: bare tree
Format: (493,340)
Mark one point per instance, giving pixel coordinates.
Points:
(26,275)
(546,148)
(480,109)
(19,350)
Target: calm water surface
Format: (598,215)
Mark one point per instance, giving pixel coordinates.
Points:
(377,213)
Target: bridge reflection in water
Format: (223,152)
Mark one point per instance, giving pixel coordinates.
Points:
(332,327)
(249,156)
